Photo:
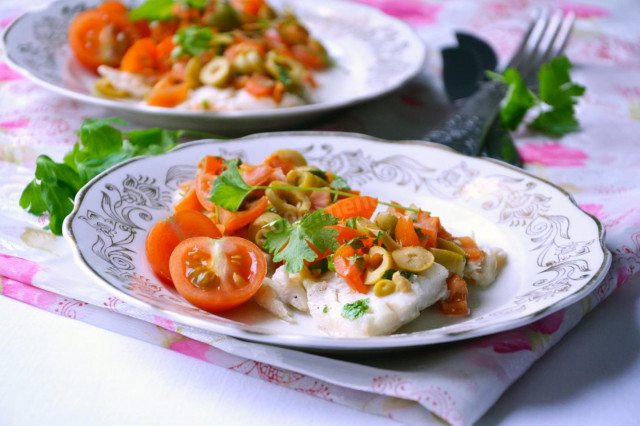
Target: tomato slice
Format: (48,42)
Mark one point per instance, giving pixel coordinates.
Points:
(429,227)
(217,275)
(100,37)
(351,273)
(141,57)
(259,85)
(232,221)
(167,234)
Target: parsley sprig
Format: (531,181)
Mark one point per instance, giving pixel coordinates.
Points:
(554,105)
(100,146)
(290,242)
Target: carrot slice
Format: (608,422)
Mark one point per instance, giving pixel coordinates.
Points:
(348,208)
(405,233)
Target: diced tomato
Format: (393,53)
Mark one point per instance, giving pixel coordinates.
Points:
(232,221)
(168,92)
(456,303)
(429,227)
(141,57)
(470,248)
(259,85)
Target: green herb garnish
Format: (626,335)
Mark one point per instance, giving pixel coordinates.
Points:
(355,310)
(555,104)
(192,40)
(101,146)
(290,242)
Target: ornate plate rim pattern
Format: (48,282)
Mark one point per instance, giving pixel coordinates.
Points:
(563,271)
(406,44)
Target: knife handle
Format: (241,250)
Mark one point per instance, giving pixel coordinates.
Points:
(466,129)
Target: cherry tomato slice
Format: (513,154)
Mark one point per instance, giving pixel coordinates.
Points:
(217,275)
(167,234)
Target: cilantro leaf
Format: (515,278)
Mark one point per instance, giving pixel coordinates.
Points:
(560,93)
(101,146)
(192,40)
(229,189)
(290,242)
(555,104)
(339,184)
(517,101)
(355,310)
(320,174)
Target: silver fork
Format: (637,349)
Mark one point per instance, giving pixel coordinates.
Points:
(545,39)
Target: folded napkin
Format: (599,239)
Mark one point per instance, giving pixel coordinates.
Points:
(456,382)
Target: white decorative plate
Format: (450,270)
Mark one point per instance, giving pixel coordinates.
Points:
(374,54)
(556,251)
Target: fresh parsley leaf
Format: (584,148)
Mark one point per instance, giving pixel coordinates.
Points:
(290,242)
(517,101)
(100,146)
(560,93)
(351,223)
(321,265)
(325,309)
(355,310)
(284,75)
(197,4)
(340,184)
(555,104)
(192,40)
(153,10)
(408,275)
(229,189)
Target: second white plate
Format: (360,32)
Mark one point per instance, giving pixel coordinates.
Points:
(373,53)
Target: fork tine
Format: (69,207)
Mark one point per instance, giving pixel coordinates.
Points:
(543,51)
(563,35)
(530,39)
(519,52)
(533,44)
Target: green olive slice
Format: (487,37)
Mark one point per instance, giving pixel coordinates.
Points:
(413,259)
(454,262)
(375,274)
(450,245)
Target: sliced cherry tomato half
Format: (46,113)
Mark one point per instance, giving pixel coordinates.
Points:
(217,274)
(167,234)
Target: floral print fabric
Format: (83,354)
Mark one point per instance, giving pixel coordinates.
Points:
(456,383)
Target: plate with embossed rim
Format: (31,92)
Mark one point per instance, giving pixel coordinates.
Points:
(555,250)
(373,53)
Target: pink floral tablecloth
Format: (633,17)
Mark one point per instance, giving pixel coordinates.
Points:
(456,383)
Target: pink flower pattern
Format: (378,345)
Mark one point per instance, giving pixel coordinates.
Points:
(413,11)
(552,154)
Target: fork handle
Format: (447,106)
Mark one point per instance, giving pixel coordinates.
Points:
(465,130)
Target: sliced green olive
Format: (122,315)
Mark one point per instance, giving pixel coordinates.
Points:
(225,17)
(453,261)
(366,227)
(192,71)
(259,227)
(389,243)
(384,288)
(451,246)
(248,61)
(216,72)
(299,177)
(382,260)
(287,201)
(105,88)
(413,258)
(292,156)
(283,68)
(386,221)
